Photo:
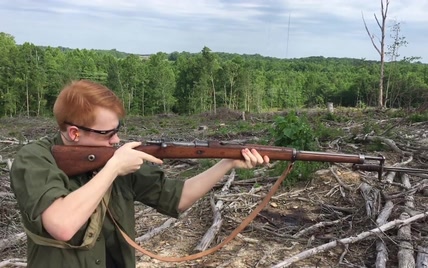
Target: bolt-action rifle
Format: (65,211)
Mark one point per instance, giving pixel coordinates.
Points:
(74,160)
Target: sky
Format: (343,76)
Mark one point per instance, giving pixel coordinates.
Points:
(275,28)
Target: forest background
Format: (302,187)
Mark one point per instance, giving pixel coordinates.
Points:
(31,77)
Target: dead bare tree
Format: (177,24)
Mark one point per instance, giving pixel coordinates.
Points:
(384,4)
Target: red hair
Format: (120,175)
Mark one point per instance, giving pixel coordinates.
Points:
(78,101)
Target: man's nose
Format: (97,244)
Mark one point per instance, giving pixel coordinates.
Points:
(114,139)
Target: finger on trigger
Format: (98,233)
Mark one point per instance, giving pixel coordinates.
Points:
(151,158)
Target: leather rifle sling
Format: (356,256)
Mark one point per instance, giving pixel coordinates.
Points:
(235,232)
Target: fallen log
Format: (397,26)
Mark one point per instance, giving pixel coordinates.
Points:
(391,175)
(15,262)
(389,142)
(318,226)
(218,221)
(371,197)
(349,240)
(158,230)
(381,249)
(422,257)
(405,253)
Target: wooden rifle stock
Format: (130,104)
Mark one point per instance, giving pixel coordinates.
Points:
(74,160)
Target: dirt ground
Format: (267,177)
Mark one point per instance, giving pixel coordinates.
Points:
(332,197)
(268,239)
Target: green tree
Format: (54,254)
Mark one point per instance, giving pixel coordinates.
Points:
(54,62)
(113,74)
(132,77)
(8,95)
(230,72)
(210,67)
(33,83)
(187,72)
(161,79)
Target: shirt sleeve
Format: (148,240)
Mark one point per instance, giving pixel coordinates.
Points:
(153,189)
(36,182)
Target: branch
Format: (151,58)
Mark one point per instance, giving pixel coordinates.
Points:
(382,251)
(405,253)
(377,21)
(409,197)
(11,241)
(371,197)
(422,257)
(386,9)
(386,141)
(14,262)
(391,175)
(319,226)
(8,163)
(344,185)
(376,231)
(370,35)
(218,221)
(167,224)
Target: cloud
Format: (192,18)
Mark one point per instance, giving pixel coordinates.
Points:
(268,27)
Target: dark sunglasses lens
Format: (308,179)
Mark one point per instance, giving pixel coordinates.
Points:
(113,132)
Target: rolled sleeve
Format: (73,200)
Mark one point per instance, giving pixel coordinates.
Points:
(37,183)
(153,189)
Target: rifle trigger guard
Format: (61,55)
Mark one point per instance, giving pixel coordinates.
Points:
(91,157)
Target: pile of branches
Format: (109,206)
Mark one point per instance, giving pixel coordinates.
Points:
(12,236)
(391,212)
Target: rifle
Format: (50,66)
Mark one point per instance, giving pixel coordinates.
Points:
(74,160)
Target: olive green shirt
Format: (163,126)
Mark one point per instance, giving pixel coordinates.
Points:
(37,182)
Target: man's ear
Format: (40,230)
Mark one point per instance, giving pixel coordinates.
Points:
(73,133)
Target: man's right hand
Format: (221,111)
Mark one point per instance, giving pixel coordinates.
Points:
(128,160)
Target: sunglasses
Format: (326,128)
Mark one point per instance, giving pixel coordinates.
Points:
(108,133)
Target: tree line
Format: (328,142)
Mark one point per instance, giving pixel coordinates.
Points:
(186,83)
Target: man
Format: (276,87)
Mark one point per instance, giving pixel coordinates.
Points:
(64,217)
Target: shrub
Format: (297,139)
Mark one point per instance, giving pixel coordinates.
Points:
(295,131)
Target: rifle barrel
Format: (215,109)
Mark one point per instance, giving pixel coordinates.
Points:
(380,168)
